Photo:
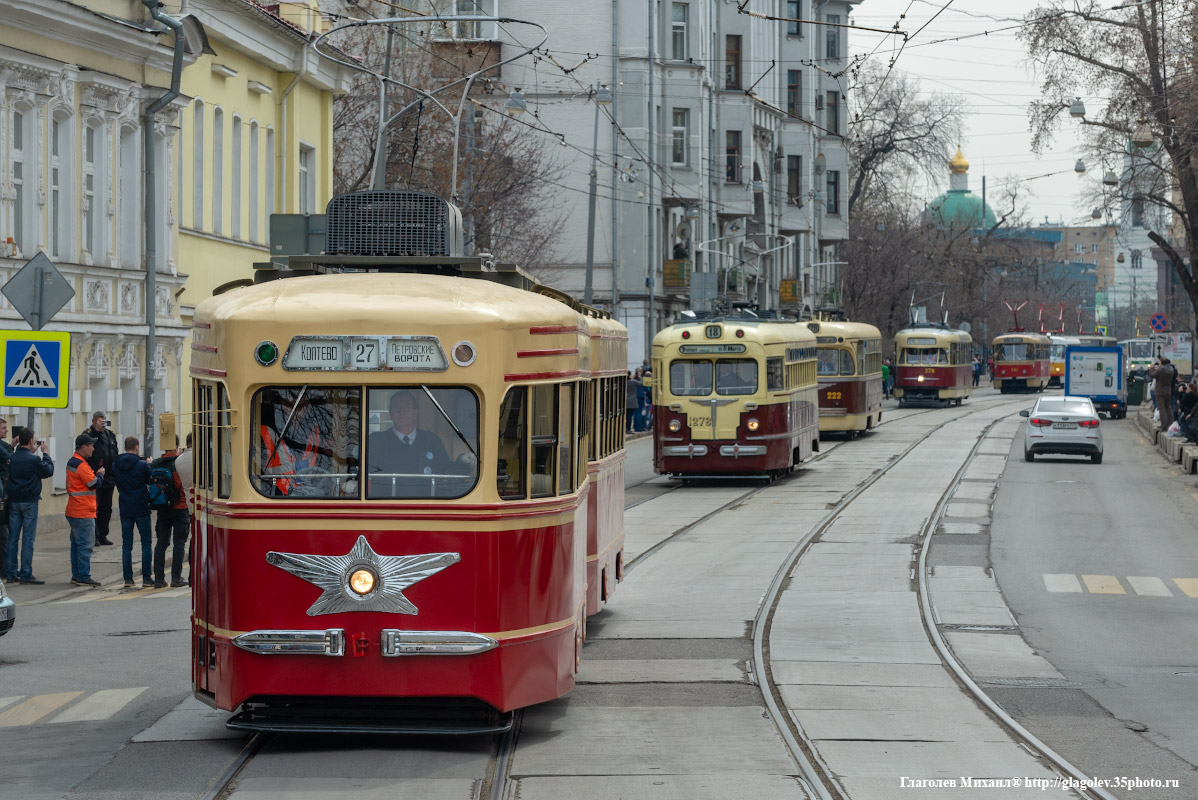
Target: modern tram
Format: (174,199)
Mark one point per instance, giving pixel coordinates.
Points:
(401,453)
(736,396)
(849,370)
(1137,355)
(933,363)
(1056,371)
(1096,340)
(1022,362)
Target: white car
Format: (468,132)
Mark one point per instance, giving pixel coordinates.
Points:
(8,611)
(1062,425)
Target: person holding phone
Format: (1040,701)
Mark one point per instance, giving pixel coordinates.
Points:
(103,455)
(26,474)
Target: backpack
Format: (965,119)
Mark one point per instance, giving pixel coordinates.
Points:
(161,490)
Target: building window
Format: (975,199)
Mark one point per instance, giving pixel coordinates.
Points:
(680,136)
(218,170)
(1094,247)
(833,192)
(307,180)
(681,12)
(129,248)
(1077,247)
(255,234)
(1137,211)
(24,181)
(794,92)
(91,217)
(471,31)
(61,158)
(270,175)
(832,36)
(732,62)
(235,182)
(794,12)
(197,166)
(833,107)
(732,156)
(794,179)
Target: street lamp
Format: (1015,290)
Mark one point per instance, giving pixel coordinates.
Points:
(602,97)
(515,103)
(1078,109)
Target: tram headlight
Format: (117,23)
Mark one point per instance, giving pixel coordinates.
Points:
(752,424)
(675,425)
(362,581)
(920,379)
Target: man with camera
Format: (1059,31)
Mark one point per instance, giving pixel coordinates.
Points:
(24,493)
(103,455)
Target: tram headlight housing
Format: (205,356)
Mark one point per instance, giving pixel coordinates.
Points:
(920,379)
(675,425)
(753,424)
(362,581)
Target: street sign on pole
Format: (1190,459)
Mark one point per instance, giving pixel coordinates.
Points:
(36,368)
(38,291)
(1159,322)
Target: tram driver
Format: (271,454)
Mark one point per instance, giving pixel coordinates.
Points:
(405,460)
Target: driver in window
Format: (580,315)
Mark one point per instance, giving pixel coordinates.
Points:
(297,451)
(400,455)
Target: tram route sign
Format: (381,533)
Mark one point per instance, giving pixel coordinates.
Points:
(36,368)
(1159,322)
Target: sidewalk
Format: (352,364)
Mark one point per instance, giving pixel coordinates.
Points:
(52,564)
(1173,448)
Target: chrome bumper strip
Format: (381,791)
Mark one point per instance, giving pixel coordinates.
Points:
(689,450)
(738,450)
(434,643)
(320,643)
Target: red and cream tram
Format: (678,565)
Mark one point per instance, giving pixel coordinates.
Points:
(734,396)
(393,478)
(1022,362)
(933,363)
(850,375)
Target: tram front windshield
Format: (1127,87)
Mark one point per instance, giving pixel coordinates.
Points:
(924,355)
(1058,352)
(1014,351)
(835,362)
(728,376)
(1139,349)
(309,442)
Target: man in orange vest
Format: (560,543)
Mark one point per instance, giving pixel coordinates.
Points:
(81,509)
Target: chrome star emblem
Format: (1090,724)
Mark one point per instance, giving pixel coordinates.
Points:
(392,574)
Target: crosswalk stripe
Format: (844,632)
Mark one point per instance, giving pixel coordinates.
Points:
(1187,585)
(35,708)
(99,705)
(179,592)
(89,596)
(1061,583)
(1151,587)
(1103,584)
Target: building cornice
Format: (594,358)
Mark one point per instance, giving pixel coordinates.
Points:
(82,28)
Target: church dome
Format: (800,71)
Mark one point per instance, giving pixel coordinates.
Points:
(958,207)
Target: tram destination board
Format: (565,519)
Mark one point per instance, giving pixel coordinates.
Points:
(365,353)
(696,349)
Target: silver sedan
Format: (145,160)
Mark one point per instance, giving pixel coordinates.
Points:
(8,611)
(1062,425)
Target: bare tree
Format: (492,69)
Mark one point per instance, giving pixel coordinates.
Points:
(897,133)
(1142,57)
(503,166)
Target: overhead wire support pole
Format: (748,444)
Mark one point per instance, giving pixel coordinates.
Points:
(424,94)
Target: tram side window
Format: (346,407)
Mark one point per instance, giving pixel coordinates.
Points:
(421,443)
(224,445)
(306,441)
(565,438)
(512,445)
(775,375)
(201,440)
(690,378)
(736,376)
(846,363)
(544,439)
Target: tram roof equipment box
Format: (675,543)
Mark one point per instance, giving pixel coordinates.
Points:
(1097,373)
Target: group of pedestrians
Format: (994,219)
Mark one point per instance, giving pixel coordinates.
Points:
(639,402)
(93,472)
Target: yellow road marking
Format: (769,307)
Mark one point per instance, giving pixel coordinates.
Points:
(1187,585)
(1103,584)
(127,595)
(35,708)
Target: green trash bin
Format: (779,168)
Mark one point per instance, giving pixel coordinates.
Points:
(1135,390)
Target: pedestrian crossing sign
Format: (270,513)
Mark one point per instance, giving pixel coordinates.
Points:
(36,368)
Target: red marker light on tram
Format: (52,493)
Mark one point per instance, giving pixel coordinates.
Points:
(740,334)
(686,334)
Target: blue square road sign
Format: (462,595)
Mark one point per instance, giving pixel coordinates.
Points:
(36,368)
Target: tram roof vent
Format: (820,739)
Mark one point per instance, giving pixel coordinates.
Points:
(393,223)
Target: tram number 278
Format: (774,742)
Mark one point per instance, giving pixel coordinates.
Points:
(700,422)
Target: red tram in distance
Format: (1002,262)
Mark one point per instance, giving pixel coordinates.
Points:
(933,363)
(735,396)
(395,463)
(850,375)
(1022,362)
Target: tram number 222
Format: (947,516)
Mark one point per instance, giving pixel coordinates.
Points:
(833,395)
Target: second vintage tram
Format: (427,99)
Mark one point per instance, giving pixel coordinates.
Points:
(933,363)
(1056,368)
(397,448)
(849,371)
(1022,362)
(734,396)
